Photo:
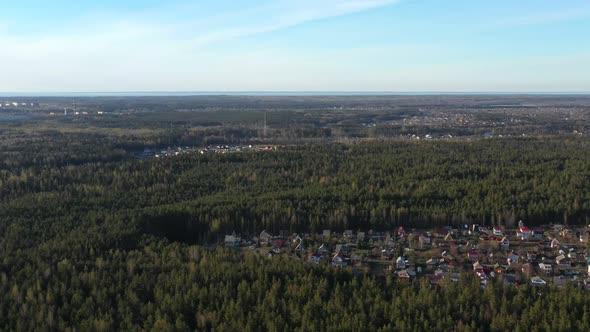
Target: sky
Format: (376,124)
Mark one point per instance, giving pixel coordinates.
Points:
(295,45)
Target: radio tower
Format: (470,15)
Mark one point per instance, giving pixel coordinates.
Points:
(74,104)
(264,124)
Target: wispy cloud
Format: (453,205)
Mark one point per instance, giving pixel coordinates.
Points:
(562,15)
(285,14)
(148,50)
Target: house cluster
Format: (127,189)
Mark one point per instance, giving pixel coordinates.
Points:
(16,104)
(177,151)
(545,255)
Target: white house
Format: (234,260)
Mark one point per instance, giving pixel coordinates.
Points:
(400,263)
(561,260)
(538,281)
(424,239)
(232,241)
(547,268)
(264,237)
(498,230)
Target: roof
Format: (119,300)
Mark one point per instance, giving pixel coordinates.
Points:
(230,238)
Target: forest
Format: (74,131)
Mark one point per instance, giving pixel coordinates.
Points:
(94,239)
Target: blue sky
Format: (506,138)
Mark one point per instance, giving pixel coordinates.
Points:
(288,45)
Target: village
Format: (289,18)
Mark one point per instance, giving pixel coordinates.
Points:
(178,151)
(546,255)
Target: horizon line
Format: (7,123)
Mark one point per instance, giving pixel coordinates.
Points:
(276,93)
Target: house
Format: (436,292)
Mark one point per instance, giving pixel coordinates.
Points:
(504,244)
(339,261)
(301,247)
(403,274)
(554,244)
(445,267)
(512,258)
(360,236)
(297,239)
(406,274)
(390,239)
(531,256)
(561,260)
(449,237)
(524,233)
(435,279)
(326,234)
(447,257)
(566,233)
(509,280)
(400,263)
(432,262)
(348,234)
(264,237)
(499,269)
(498,230)
(442,231)
(546,268)
(386,254)
(314,258)
(584,236)
(539,233)
(473,255)
(356,259)
(232,241)
(538,281)
(401,232)
(572,254)
(559,281)
(323,250)
(477,267)
(424,239)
